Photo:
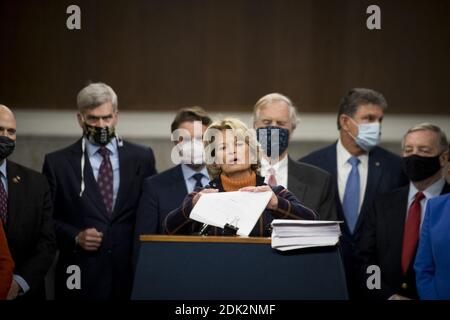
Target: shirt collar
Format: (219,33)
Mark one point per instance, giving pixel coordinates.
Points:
(92,148)
(188,172)
(343,155)
(432,191)
(280,165)
(3,168)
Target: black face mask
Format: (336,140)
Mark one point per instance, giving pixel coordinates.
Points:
(265,139)
(99,135)
(7,146)
(419,168)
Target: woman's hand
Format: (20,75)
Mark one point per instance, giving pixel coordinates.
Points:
(273,203)
(199,194)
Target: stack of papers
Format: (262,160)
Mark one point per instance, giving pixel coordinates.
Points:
(241,209)
(298,234)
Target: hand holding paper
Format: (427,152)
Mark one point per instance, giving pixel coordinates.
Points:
(239,208)
(273,202)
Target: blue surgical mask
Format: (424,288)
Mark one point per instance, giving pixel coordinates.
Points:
(368,135)
(267,138)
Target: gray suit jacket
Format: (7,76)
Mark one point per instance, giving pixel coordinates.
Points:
(313,187)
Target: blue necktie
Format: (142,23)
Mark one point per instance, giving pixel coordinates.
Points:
(198,180)
(351,195)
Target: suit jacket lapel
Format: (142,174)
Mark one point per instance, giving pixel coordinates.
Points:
(91,190)
(179,190)
(128,172)
(395,219)
(296,186)
(445,189)
(330,165)
(374,173)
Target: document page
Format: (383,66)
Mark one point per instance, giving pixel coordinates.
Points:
(240,209)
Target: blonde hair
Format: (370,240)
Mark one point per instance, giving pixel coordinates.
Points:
(239,131)
(276,97)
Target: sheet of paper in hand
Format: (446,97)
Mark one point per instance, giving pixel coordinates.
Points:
(240,209)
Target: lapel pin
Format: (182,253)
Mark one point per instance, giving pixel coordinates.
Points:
(377,164)
(16,179)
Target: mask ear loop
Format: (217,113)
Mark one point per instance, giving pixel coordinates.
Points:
(119,140)
(83,148)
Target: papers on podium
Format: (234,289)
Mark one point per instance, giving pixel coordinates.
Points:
(240,209)
(298,234)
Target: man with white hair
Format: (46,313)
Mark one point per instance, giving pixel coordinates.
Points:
(275,119)
(96,184)
(390,232)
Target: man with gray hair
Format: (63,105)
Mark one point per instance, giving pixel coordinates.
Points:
(275,119)
(96,184)
(390,232)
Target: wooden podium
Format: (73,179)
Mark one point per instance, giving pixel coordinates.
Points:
(234,268)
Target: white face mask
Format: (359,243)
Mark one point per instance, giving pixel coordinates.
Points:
(368,135)
(192,152)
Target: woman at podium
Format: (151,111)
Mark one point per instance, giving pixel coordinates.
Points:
(233,160)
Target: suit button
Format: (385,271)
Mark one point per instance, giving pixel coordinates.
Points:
(109,250)
(404,285)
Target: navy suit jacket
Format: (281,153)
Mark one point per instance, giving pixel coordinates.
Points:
(105,273)
(381,243)
(161,194)
(30,229)
(432,264)
(385,173)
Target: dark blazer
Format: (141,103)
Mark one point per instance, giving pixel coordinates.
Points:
(313,187)
(106,273)
(29,228)
(178,222)
(6,265)
(385,173)
(161,194)
(381,244)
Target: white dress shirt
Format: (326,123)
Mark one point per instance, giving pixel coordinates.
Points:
(432,191)
(280,168)
(188,173)
(344,168)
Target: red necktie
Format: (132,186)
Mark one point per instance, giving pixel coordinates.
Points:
(105,179)
(411,233)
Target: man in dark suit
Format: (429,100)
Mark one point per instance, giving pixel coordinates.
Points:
(26,212)
(360,169)
(165,191)
(275,119)
(390,232)
(96,184)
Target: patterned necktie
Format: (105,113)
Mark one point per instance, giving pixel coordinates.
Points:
(271,177)
(411,233)
(198,180)
(3,203)
(105,179)
(351,195)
